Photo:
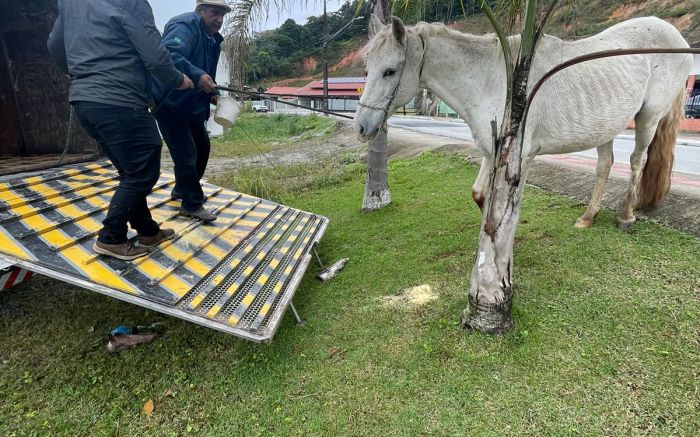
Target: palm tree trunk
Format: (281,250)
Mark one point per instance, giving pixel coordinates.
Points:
(377,194)
(491,285)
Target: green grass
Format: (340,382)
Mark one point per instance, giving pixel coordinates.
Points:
(606,340)
(284,181)
(255,133)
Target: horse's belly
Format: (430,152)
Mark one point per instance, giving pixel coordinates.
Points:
(577,139)
(579,124)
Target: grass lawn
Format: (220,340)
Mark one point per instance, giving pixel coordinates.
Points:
(607,336)
(254,133)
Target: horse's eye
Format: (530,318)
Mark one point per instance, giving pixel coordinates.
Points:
(390,72)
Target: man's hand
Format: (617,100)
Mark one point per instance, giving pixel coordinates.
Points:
(206,84)
(214,99)
(186,83)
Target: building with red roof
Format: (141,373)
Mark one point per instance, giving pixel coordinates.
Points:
(343,94)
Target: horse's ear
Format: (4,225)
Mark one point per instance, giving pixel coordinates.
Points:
(399,30)
(375,25)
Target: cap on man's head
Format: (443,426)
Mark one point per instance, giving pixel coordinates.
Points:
(219,3)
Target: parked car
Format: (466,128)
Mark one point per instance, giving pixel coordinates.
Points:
(692,107)
(259,107)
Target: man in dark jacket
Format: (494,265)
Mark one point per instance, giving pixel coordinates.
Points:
(194,42)
(109,49)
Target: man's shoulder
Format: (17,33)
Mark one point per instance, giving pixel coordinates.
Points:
(189,19)
(139,9)
(134,6)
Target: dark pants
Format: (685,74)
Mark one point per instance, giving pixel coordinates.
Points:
(188,142)
(129,137)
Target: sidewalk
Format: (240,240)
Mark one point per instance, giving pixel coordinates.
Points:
(572,176)
(684,138)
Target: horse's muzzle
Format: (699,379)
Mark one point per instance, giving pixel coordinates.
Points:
(363,134)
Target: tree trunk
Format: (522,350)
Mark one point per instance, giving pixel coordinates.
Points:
(377,194)
(491,286)
(418,102)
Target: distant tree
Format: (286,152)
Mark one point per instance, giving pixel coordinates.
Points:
(288,45)
(294,32)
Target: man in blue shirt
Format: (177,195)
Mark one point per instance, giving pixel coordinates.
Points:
(194,42)
(110,49)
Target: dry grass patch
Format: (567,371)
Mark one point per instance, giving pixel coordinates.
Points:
(411,298)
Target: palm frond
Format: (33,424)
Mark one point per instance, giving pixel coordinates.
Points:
(510,14)
(410,10)
(238,32)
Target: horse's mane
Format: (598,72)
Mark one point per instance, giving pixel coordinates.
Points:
(426,30)
(439,30)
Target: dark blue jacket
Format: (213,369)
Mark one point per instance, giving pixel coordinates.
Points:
(110,49)
(195,53)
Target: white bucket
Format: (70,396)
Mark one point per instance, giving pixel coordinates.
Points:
(227,111)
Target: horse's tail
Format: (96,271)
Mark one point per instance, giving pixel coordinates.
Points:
(656,176)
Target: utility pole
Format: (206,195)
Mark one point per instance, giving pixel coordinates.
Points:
(325,57)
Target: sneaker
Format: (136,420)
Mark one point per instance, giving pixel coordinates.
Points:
(154,240)
(126,251)
(200,214)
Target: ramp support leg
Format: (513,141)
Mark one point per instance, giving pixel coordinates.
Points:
(296,314)
(318,258)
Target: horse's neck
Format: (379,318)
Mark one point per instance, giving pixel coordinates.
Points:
(468,73)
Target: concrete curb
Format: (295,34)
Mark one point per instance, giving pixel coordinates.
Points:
(680,141)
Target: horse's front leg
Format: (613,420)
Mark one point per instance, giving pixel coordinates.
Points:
(480,187)
(602,171)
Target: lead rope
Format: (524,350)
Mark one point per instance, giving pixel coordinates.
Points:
(68,135)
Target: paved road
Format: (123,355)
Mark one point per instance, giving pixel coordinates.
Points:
(687,156)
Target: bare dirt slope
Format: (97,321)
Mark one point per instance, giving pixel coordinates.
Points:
(402,144)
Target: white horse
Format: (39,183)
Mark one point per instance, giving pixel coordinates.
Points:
(581,107)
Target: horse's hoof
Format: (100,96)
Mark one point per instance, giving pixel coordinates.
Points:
(625,226)
(583,223)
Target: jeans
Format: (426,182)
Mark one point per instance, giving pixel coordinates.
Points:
(129,137)
(188,142)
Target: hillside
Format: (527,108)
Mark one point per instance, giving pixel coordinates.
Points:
(572,20)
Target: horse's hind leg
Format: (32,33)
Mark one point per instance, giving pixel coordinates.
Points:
(644,133)
(602,170)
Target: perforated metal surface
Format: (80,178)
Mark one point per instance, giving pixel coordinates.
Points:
(236,274)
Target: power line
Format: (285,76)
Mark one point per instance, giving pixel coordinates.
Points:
(318,44)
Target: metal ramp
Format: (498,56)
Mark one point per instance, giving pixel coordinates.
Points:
(237,274)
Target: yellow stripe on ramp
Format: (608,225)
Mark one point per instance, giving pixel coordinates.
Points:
(9,246)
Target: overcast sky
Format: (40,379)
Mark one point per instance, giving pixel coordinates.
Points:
(299,11)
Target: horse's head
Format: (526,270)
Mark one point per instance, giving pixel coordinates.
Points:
(394,60)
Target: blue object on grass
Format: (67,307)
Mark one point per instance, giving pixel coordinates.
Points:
(121,329)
